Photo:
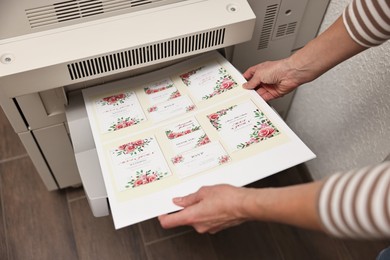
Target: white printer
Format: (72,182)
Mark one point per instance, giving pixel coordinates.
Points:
(51,49)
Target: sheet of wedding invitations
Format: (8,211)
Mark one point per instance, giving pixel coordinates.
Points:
(168,133)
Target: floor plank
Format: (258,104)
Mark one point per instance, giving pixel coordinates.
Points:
(75,193)
(97,238)
(37,221)
(3,235)
(365,249)
(296,243)
(10,145)
(248,241)
(188,246)
(152,231)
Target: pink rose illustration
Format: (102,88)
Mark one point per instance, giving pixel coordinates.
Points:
(224,159)
(138,182)
(177,159)
(129,148)
(119,126)
(186,75)
(152,109)
(129,123)
(152,177)
(111,100)
(266,131)
(190,108)
(139,142)
(226,84)
(204,141)
(120,96)
(213,117)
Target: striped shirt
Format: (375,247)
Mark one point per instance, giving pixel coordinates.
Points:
(357,204)
(368,21)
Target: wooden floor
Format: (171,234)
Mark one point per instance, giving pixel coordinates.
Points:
(37,224)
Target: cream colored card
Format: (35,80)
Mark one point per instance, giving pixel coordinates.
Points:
(200,159)
(208,81)
(138,162)
(195,126)
(186,135)
(242,125)
(161,91)
(118,111)
(171,108)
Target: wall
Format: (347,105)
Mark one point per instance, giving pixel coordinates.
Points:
(344,115)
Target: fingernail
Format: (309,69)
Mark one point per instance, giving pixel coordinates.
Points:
(179,199)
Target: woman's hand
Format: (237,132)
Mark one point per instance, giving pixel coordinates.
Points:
(272,79)
(210,209)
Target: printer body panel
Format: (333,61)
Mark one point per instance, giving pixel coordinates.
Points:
(49,66)
(40,66)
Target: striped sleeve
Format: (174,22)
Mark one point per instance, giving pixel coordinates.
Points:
(357,204)
(368,21)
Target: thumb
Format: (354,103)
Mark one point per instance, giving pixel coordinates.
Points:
(253,83)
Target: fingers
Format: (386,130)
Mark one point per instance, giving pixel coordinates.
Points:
(265,94)
(180,218)
(187,200)
(248,74)
(172,220)
(254,81)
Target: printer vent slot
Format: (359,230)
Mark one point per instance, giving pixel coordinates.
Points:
(268,24)
(146,54)
(286,29)
(78,9)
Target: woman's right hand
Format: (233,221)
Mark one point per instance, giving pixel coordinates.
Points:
(272,79)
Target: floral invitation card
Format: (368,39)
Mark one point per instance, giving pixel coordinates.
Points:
(208,81)
(169,132)
(186,135)
(118,111)
(171,108)
(138,162)
(200,159)
(242,125)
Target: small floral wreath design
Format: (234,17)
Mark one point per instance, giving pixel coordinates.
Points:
(142,178)
(114,100)
(190,108)
(177,159)
(215,117)
(123,122)
(223,159)
(172,135)
(263,130)
(152,109)
(132,148)
(151,90)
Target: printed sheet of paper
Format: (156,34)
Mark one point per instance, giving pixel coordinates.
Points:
(167,133)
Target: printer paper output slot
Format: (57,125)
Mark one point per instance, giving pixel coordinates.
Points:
(86,155)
